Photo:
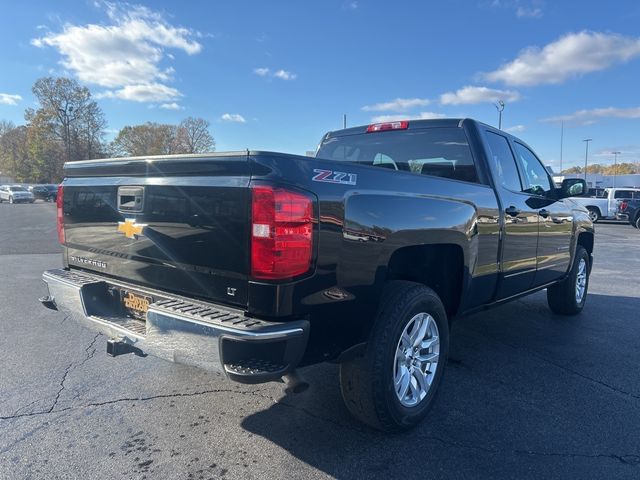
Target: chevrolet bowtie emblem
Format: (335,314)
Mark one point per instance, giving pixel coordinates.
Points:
(130,228)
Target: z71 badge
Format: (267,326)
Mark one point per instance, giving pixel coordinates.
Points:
(329,176)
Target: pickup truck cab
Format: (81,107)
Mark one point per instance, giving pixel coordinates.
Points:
(256,263)
(606,205)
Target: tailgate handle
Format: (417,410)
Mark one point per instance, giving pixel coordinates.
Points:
(131,199)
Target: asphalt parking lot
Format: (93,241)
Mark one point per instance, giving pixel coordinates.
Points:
(526,394)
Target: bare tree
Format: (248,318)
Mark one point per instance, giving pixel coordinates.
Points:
(194,136)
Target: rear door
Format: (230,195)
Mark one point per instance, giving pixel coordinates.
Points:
(520,219)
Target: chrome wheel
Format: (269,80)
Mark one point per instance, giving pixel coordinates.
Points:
(581,280)
(416,359)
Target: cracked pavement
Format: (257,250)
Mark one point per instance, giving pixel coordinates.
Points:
(525,395)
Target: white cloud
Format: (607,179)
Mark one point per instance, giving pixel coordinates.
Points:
(399,105)
(528,12)
(569,56)
(233,117)
(146,92)
(515,129)
(471,95)
(350,5)
(281,74)
(399,116)
(587,117)
(8,99)
(522,8)
(285,75)
(261,72)
(171,106)
(127,52)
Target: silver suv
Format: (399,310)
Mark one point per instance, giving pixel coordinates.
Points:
(15,194)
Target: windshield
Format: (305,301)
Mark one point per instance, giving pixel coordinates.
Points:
(17,189)
(442,152)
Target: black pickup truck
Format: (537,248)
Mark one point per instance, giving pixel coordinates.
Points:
(630,210)
(254,264)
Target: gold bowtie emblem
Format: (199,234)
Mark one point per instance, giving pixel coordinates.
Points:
(130,228)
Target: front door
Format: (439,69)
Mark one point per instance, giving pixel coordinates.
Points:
(555,217)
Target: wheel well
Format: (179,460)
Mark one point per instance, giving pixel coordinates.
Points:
(593,207)
(439,267)
(585,239)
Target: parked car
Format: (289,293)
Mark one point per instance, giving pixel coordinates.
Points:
(15,194)
(256,263)
(605,207)
(630,210)
(46,192)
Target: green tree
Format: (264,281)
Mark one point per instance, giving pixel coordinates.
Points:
(147,139)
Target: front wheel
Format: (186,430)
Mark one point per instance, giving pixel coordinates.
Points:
(636,223)
(393,385)
(569,296)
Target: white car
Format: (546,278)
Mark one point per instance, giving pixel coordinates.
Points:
(15,194)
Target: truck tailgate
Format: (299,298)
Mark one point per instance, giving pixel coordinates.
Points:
(180,225)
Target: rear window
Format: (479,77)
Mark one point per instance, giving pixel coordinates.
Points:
(441,152)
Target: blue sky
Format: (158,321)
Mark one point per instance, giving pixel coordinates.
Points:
(277,75)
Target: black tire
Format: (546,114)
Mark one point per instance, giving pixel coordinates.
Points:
(594,214)
(367,382)
(562,296)
(636,222)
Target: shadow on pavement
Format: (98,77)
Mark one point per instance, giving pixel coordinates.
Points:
(525,392)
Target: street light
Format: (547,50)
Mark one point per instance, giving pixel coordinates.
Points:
(500,107)
(615,167)
(586,156)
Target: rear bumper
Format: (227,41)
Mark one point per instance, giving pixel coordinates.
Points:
(182,330)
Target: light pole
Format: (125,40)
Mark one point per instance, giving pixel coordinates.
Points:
(500,107)
(586,156)
(615,167)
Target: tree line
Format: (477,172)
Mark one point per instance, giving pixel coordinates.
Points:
(624,168)
(67,125)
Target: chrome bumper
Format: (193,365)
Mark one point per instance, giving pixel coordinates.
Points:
(181,330)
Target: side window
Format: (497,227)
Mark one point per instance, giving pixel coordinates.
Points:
(536,177)
(502,162)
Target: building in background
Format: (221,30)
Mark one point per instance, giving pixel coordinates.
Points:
(597,180)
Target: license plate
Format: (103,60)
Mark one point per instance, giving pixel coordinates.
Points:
(135,304)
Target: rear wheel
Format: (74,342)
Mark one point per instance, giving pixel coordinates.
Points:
(393,385)
(569,296)
(636,223)
(594,214)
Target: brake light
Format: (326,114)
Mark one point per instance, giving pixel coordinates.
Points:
(623,205)
(281,233)
(59,214)
(381,127)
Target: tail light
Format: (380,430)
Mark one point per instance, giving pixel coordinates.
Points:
(623,205)
(281,233)
(59,214)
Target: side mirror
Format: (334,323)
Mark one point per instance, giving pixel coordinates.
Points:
(573,187)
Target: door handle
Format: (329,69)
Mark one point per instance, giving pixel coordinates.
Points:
(544,213)
(513,211)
